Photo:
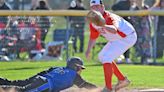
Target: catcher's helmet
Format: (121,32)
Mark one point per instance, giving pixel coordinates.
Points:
(75,63)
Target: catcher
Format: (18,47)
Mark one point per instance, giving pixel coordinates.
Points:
(120,35)
(53,80)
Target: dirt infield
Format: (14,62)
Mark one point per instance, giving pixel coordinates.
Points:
(152,90)
(74,89)
(141,90)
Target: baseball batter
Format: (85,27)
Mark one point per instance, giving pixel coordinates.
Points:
(53,80)
(120,35)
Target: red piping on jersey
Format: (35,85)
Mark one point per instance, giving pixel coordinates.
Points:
(121,34)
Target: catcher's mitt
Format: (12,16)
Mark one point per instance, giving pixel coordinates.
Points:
(96,18)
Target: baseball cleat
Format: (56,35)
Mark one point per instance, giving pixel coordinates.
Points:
(122,84)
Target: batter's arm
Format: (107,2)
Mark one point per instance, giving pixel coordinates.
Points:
(81,83)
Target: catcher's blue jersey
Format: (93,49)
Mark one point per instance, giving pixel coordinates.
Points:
(60,78)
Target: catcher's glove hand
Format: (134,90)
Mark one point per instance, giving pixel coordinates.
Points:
(96,18)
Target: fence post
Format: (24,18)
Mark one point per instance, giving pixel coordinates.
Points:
(154,43)
(67,36)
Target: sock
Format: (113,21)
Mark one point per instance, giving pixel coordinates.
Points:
(117,72)
(108,75)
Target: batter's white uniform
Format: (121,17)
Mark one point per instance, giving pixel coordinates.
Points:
(118,43)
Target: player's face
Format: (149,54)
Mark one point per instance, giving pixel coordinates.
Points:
(79,72)
(99,8)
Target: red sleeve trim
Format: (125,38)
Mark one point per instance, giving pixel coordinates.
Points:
(121,34)
(94,34)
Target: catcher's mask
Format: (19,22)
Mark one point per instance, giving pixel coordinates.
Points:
(75,63)
(96,2)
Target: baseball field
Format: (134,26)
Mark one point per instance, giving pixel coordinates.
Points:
(141,76)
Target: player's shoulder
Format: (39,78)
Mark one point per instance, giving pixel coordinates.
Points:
(110,14)
(113,15)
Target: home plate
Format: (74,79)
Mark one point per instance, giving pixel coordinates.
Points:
(152,90)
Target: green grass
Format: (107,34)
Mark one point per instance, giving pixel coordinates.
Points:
(141,76)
